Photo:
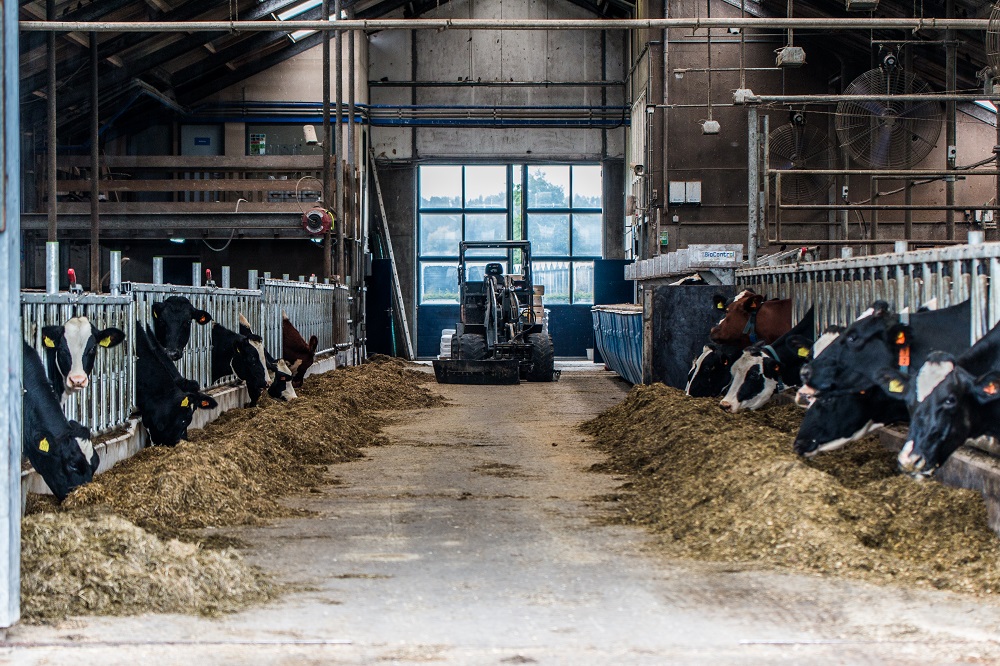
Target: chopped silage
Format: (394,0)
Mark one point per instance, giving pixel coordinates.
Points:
(79,564)
(88,557)
(729,488)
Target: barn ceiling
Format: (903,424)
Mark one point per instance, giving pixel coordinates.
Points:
(146,70)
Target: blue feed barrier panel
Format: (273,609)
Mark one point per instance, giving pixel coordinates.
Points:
(618,337)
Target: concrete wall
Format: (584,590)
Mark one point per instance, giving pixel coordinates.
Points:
(452,55)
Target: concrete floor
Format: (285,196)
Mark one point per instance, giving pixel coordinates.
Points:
(475,538)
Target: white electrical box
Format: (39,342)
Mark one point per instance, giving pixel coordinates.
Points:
(676,192)
(681,192)
(791,56)
(692,192)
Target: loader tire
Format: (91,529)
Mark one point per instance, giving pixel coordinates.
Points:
(542,358)
(468,346)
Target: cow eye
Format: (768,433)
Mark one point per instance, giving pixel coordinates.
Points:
(950,401)
(852,337)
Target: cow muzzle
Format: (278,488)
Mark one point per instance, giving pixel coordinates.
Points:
(727,406)
(77,381)
(173,354)
(911,463)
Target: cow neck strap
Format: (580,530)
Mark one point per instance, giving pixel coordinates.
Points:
(769,350)
(751,327)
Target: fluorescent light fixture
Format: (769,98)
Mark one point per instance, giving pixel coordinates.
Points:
(177,240)
(300,34)
(318,241)
(986,104)
(300,8)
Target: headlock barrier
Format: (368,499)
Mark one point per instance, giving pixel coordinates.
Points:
(314,309)
(841,289)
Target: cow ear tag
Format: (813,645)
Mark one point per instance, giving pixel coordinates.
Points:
(720,306)
(204,404)
(105,342)
(202,319)
(49,342)
(803,352)
(155,316)
(44,445)
(991,388)
(185,402)
(896,386)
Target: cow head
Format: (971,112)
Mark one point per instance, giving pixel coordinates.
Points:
(833,421)
(57,454)
(172,324)
(710,372)
(755,378)
(71,350)
(249,365)
(281,388)
(946,402)
(167,421)
(735,316)
(858,356)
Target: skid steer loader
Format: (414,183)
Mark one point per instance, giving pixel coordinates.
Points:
(500,338)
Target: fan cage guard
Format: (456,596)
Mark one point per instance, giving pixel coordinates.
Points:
(792,147)
(892,134)
(993,40)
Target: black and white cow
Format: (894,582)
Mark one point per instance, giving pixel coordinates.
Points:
(836,419)
(805,396)
(59,450)
(763,369)
(71,351)
(950,400)
(233,353)
(172,324)
(279,386)
(166,400)
(711,371)
(860,356)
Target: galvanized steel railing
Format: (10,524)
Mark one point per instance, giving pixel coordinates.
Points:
(110,398)
(311,307)
(841,289)
(225,306)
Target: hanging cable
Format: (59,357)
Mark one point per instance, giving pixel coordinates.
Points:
(232,233)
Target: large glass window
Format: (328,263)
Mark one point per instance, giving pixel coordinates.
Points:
(558,207)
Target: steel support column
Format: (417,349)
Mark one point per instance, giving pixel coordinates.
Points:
(95,216)
(10,334)
(327,147)
(753,180)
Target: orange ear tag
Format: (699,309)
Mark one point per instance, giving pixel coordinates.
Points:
(904,357)
(990,389)
(900,338)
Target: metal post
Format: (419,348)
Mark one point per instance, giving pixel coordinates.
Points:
(977,237)
(846,252)
(899,247)
(226,274)
(50,15)
(302,278)
(267,275)
(951,78)
(10,334)
(327,147)
(284,276)
(115,280)
(52,267)
(252,279)
(196,274)
(339,144)
(157,270)
(95,217)
(752,185)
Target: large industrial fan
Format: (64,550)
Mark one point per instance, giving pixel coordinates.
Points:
(993,40)
(795,146)
(887,133)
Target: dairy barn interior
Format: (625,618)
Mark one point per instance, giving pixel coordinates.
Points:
(500,332)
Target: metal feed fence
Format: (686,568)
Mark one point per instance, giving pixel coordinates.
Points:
(841,289)
(224,304)
(110,398)
(311,308)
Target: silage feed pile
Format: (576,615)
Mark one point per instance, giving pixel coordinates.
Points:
(729,488)
(75,564)
(233,471)
(94,555)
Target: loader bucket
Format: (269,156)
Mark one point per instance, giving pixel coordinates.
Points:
(461,371)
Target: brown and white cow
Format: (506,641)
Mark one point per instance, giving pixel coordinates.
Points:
(748,319)
(296,351)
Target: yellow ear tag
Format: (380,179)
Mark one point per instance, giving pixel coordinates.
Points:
(105,342)
(900,338)
(185,402)
(896,386)
(155,316)
(720,306)
(43,445)
(49,342)
(803,352)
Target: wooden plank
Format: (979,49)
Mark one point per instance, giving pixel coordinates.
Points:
(189,185)
(200,162)
(397,292)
